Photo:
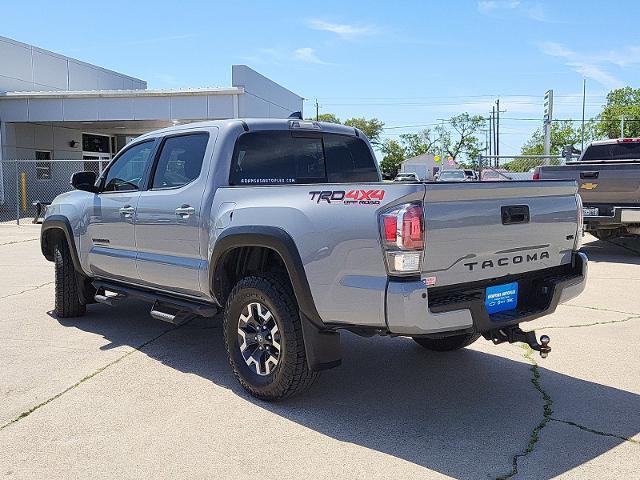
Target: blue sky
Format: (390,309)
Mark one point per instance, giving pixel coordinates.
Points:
(407,63)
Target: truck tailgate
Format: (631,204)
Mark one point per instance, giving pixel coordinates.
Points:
(600,182)
(478,231)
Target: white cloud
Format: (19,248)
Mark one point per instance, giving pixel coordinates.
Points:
(343,30)
(594,72)
(555,49)
(593,65)
(307,54)
(488,6)
(278,56)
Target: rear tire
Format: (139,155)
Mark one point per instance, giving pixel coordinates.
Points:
(67,295)
(447,344)
(263,338)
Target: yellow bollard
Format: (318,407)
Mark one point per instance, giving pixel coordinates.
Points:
(23,190)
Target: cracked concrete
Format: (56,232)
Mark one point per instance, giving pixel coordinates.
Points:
(101,406)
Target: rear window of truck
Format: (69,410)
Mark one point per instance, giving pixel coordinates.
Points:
(280,157)
(613,151)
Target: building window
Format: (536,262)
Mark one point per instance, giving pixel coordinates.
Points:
(43,165)
(96,143)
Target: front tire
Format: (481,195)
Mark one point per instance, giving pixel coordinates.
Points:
(263,338)
(447,344)
(67,302)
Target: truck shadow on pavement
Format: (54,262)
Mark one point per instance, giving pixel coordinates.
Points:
(618,250)
(465,414)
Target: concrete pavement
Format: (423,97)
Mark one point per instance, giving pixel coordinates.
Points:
(117,394)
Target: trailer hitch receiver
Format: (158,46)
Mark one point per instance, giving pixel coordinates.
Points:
(514,334)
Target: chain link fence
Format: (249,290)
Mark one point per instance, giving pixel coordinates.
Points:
(28,186)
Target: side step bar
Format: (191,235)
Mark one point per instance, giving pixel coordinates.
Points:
(168,313)
(165,307)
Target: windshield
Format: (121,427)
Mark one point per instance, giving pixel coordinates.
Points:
(452,174)
(613,151)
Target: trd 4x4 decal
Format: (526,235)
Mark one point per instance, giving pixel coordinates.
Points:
(352,197)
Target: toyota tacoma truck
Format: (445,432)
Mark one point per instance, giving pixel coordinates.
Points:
(608,177)
(286,227)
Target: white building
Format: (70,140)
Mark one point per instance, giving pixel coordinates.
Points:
(424,165)
(54,107)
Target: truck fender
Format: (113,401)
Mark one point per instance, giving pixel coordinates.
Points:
(322,345)
(52,227)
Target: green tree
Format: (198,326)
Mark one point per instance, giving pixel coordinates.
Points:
(415,144)
(328,117)
(393,155)
(372,128)
(562,133)
(460,138)
(620,102)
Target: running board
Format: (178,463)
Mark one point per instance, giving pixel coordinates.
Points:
(165,307)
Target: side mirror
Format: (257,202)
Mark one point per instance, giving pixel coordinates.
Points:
(84,181)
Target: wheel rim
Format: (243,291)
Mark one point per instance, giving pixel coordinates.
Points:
(259,338)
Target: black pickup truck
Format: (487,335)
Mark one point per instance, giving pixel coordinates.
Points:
(608,176)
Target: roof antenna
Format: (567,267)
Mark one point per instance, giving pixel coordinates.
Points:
(297,115)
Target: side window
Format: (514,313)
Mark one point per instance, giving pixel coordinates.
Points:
(277,157)
(128,170)
(349,160)
(180,160)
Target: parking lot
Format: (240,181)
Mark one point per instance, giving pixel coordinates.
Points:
(116,394)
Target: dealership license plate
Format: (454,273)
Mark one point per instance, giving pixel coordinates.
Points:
(501,297)
(590,211)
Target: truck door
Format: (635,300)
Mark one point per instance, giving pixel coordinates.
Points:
(168,217)
(110,239)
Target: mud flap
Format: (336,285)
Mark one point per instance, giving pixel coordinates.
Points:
(322,346)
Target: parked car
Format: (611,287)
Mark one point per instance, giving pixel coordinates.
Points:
(451,176)
(471,175)
(287,228)
(608,176)
(407,177)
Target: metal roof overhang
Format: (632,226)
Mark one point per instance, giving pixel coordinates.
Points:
(120,105)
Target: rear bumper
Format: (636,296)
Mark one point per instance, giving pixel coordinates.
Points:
(618,216)
(414,310)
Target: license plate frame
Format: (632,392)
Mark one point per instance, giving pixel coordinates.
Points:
(500,298)
(590,211)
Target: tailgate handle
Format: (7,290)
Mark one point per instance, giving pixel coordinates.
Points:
(513,214)
(589,174)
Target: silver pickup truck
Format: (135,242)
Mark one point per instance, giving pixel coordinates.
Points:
(286,226)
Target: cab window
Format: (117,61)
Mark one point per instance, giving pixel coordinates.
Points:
(127,172)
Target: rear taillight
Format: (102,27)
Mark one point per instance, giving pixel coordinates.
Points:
(580,231)
(536,173)
(628,140)
(403,239)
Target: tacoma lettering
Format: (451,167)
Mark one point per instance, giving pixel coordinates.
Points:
(506,261)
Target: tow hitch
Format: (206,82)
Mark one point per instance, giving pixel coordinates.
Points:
(515,334)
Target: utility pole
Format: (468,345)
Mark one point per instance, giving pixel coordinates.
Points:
(497,129)
(584,94)
(491,133)
(548,116)
(622,126)
(317,110)
(493,120)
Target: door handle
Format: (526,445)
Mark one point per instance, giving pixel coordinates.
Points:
(589,174)
(185,210)
(127,211)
